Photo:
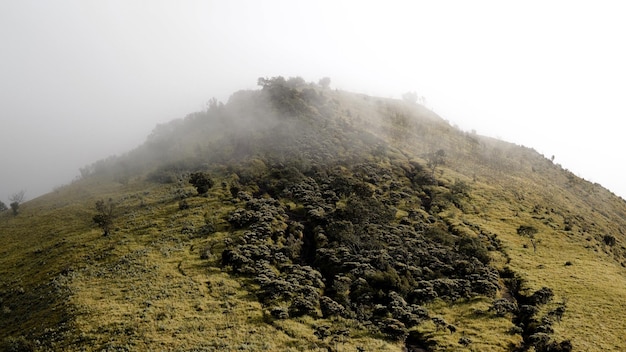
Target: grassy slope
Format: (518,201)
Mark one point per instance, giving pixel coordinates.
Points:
(145,286)
(593,286)
(513,186)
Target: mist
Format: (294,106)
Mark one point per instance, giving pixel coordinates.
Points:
(81,81)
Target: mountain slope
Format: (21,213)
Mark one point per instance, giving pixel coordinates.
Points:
(334,221)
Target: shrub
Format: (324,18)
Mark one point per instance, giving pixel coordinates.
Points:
(474,247)
(465,341)
(394,329)
(528,231)
(542,296)
(609,240)
(502,306)
(16,199)
(280,312)
(331,308)
(324,82)
(104,217)
(3,207)
(302,306)
(201,181)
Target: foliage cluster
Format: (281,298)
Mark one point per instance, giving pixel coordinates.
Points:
(341,251)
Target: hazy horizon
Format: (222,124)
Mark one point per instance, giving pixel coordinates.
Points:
(85,80)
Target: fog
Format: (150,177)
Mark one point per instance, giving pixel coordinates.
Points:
(80,81)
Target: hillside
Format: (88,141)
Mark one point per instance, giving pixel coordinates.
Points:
(330,221)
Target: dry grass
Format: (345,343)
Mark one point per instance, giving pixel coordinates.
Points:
(145,287)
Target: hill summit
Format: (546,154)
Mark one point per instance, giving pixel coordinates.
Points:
(296,217)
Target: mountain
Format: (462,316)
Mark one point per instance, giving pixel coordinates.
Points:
(296,217)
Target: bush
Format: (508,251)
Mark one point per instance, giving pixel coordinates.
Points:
(465,341)
(528,231)
(280,313)
(302,306)
(331,308)
(3,207)
(201,181)
(609,240)
(16,199)
(542,296)
(104,217)
(394,329)
(502,306)
(474,247)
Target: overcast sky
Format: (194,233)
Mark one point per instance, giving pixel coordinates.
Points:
(82,80)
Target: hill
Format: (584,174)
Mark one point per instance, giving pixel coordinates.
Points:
(295,217)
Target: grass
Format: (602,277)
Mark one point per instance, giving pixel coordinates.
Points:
(594,285)
(156,284)
(471,320)
(144,287)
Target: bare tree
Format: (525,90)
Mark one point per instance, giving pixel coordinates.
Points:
(104,217)
(435,159)
(16,199)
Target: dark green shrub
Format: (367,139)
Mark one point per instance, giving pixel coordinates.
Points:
(474,247)
(465,341)
(331,308)
(201,181)
(542,296)
(393,329)
(280,313)
(502,306)
(609,240)
(207,229)
(303,306)
(234,190)
(528,231)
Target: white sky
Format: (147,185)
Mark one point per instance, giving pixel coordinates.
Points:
(82,80)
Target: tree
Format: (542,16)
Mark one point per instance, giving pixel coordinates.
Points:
(271,82)
(435,159)
(410,97)
(529,232)
(104,217)
(3,207)
(324,82)
(16,199)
